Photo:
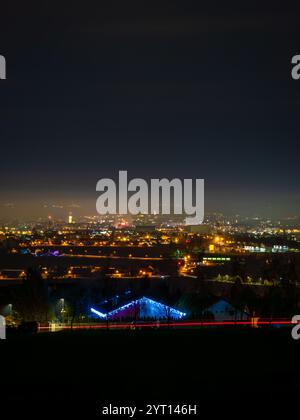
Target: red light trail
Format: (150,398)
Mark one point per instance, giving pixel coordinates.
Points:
(157,325)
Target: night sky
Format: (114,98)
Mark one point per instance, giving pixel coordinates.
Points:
(175,89)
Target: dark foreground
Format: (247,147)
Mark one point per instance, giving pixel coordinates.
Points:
(233,372)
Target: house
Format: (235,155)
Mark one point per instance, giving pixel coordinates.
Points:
(223,310)
(141,308)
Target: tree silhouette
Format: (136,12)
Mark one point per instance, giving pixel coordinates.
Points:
(32,298)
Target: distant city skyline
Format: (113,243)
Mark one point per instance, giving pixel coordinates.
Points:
(37,209)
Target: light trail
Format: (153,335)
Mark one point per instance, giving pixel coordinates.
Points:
(157,325)
(117,257)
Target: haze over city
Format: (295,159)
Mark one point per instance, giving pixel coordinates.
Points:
(163,95)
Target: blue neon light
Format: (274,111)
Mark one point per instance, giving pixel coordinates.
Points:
(148,308)
(98,313)
(121,308)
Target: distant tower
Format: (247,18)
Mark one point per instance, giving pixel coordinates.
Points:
(50,222)
(70,218)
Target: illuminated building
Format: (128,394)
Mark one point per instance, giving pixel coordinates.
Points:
(141,308)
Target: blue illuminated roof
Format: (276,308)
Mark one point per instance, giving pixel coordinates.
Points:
(148,308)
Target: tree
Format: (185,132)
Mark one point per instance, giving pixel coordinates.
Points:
(32,298)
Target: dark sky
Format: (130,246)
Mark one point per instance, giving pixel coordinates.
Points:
(173,88)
